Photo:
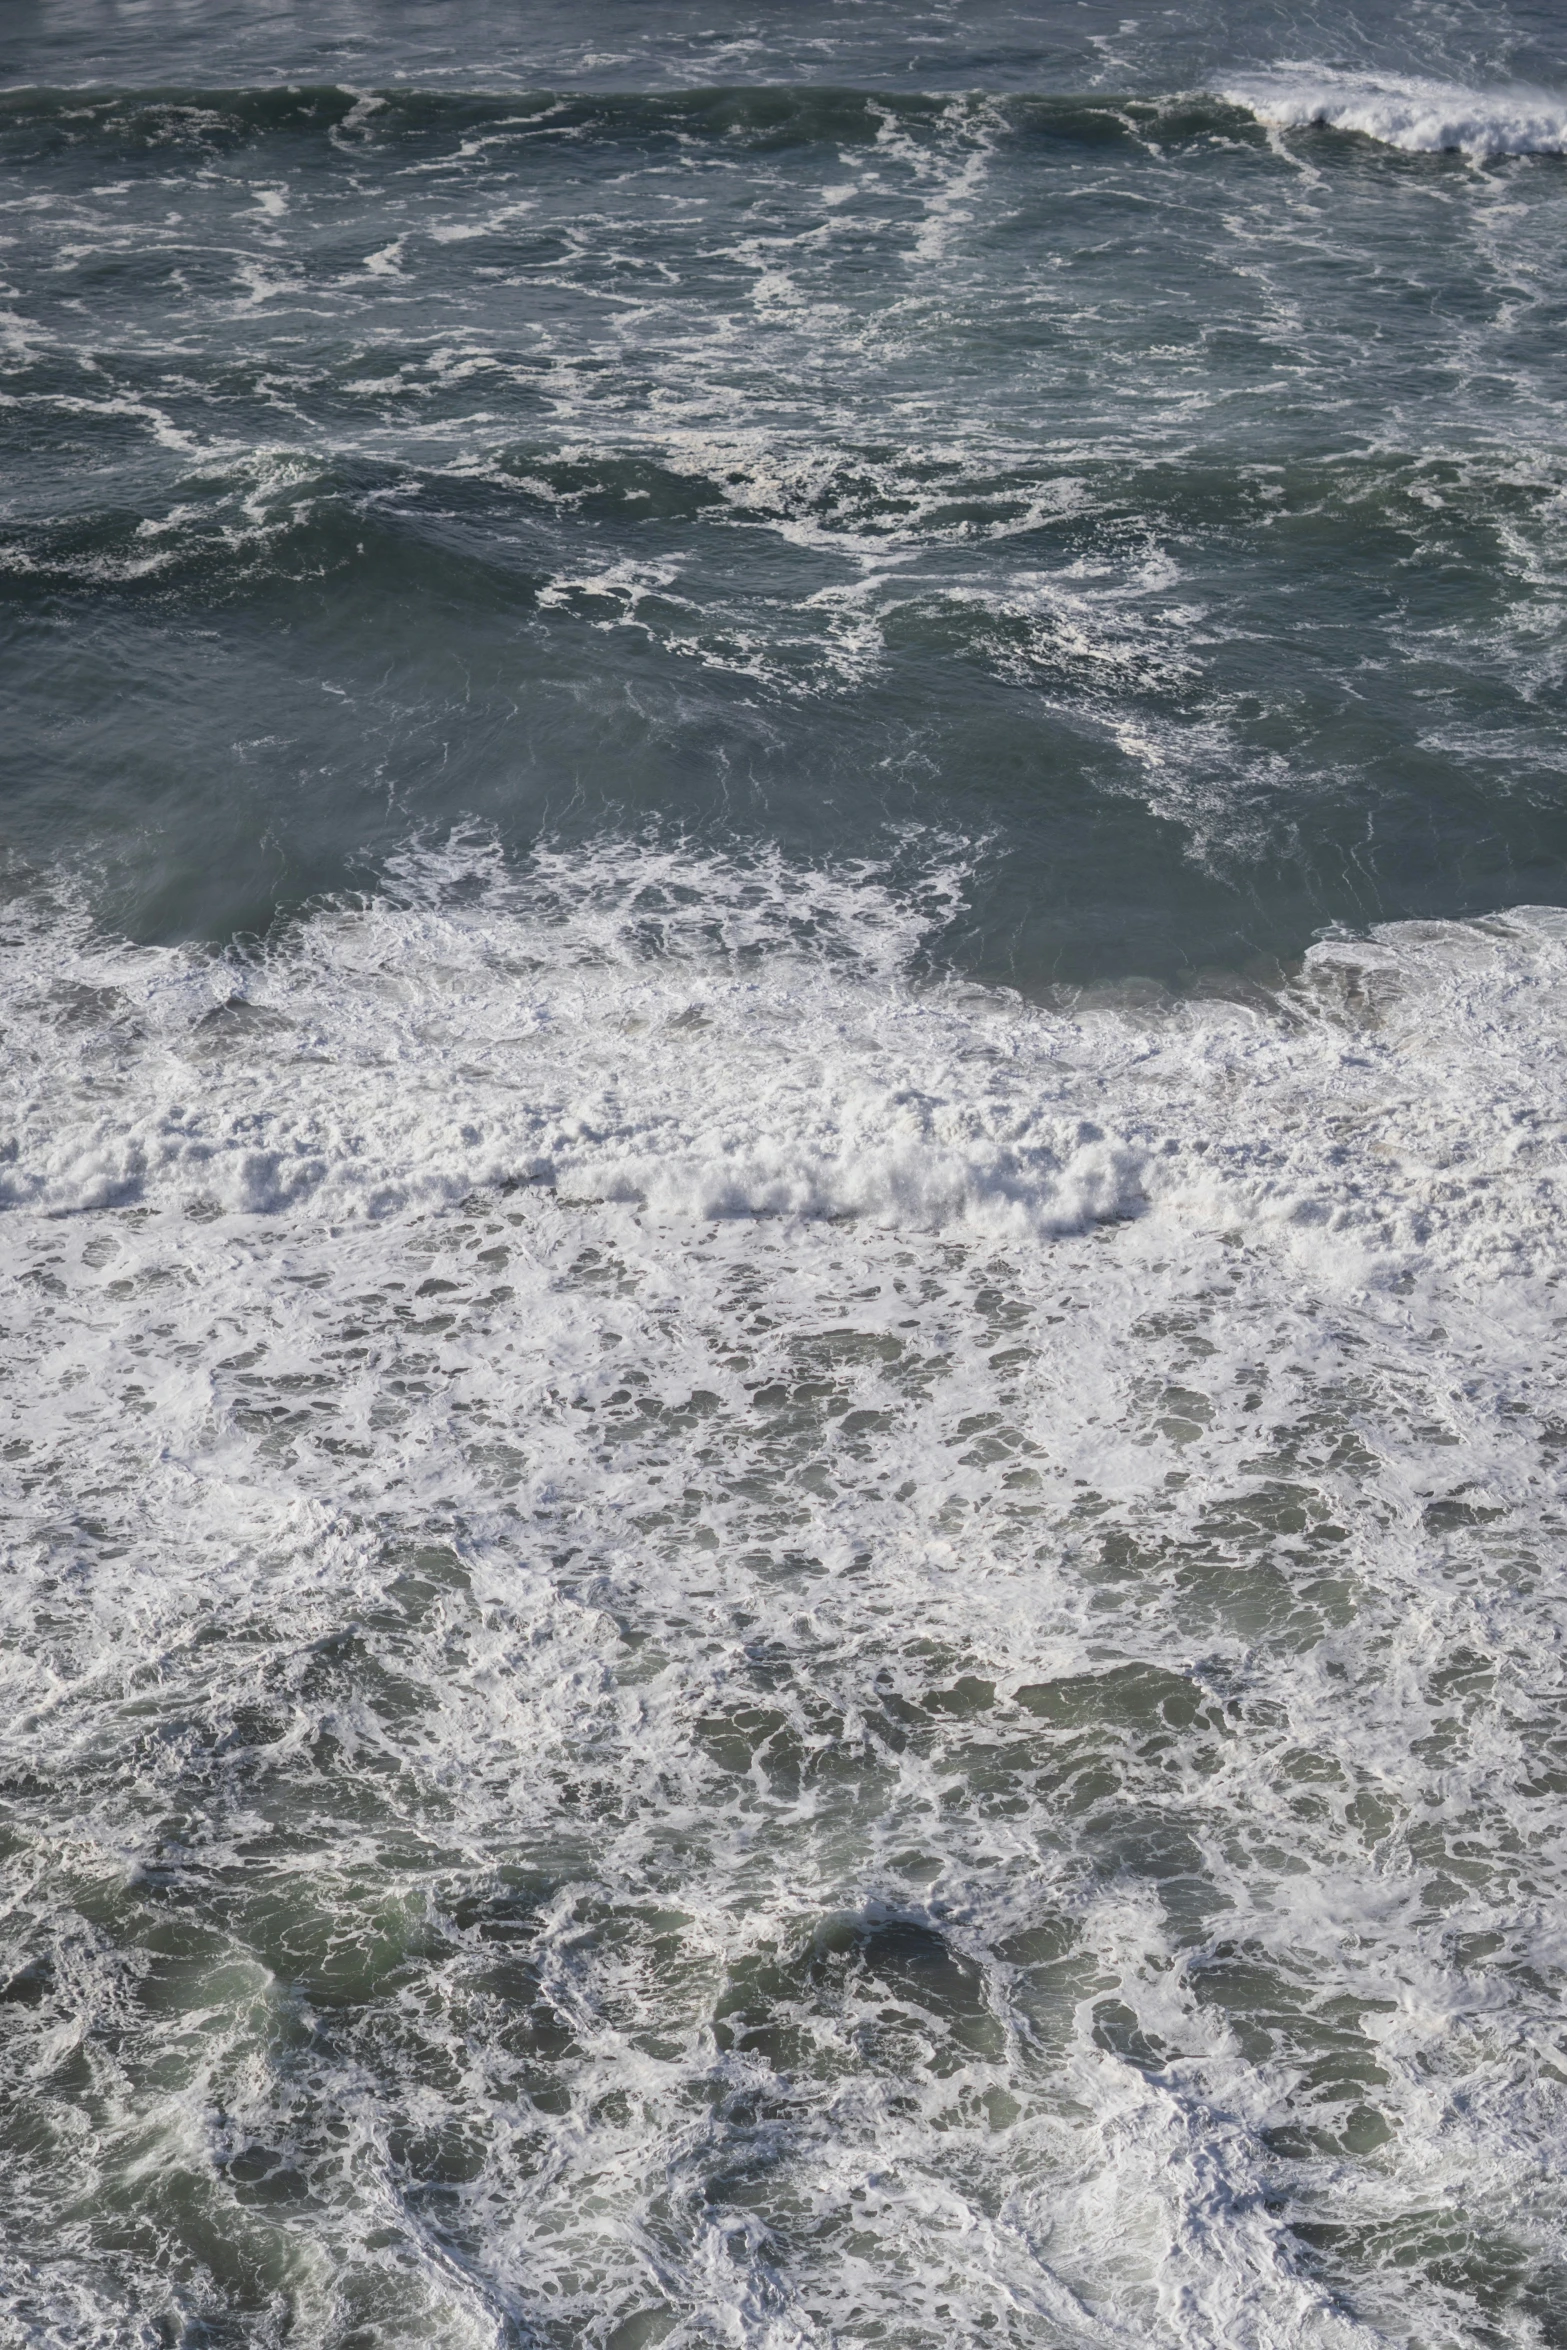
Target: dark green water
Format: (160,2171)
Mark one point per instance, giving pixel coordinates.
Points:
(1173,508)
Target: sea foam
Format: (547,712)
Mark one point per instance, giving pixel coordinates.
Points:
(1407,110)
(719,1037)
(704,1636)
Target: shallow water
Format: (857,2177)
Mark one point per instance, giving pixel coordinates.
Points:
(781,1177)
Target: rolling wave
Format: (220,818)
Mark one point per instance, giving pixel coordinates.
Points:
(1417,114)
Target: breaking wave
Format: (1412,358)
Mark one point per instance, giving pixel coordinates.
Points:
(721,1036)
(1408,111)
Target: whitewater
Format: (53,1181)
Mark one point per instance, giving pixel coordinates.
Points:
(604,1756)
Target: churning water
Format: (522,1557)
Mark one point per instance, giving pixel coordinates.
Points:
(783,1166)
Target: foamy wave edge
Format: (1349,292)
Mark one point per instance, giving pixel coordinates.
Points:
(687,1036)
(1422,117)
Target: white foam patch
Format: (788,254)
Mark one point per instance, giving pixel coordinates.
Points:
(776,1736)
(1407,110)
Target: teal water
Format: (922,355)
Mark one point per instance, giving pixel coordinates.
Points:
(781,1168)
(1169,506)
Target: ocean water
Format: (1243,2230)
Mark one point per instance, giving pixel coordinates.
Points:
(783,1168)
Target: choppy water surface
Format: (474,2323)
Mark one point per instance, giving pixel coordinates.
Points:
(781,1156)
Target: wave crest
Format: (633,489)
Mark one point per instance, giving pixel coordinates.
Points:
(1421,116)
